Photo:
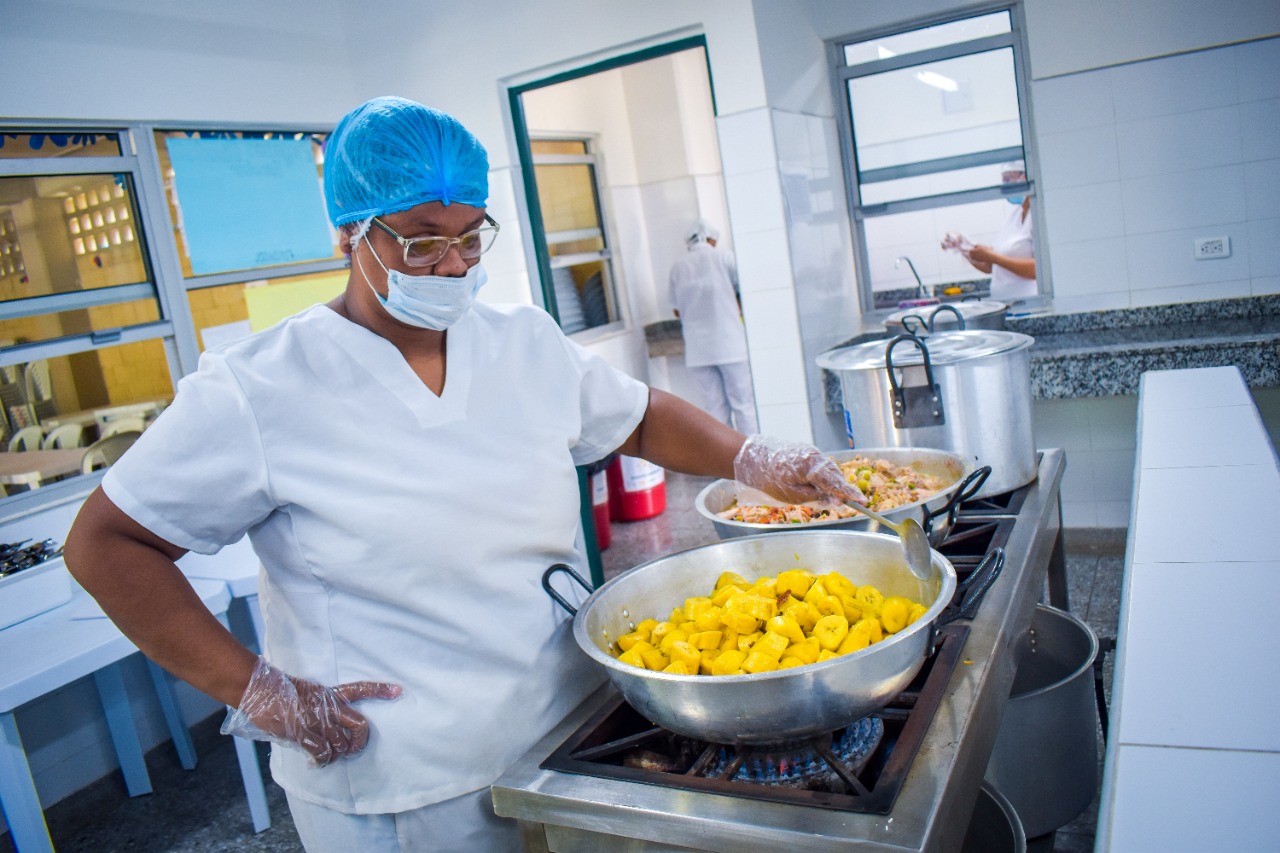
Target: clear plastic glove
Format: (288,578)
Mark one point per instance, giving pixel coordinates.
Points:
(305,715)
(956,242)
(792,471)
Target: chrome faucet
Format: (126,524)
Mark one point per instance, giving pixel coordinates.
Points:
(924,292)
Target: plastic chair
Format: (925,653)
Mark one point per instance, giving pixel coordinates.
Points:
(67,435)
(27,438)
(119,425)
(104,452)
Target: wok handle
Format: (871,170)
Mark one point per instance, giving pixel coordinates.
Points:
(975,587)
(557,597)
(968,488)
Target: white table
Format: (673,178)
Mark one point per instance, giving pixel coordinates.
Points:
(33,467)
(1193,754)
(56,648)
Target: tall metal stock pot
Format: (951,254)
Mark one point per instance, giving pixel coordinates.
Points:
(767,707)
(964,391)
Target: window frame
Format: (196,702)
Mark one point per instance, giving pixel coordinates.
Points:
(536,242)
(139,159)
(594,160)
(842,73)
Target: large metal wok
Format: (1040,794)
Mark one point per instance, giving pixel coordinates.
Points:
(778,706)
(936,513)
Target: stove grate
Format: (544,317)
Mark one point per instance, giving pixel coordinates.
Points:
(618,743)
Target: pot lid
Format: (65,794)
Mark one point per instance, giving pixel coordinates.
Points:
(944,348)
(972,308)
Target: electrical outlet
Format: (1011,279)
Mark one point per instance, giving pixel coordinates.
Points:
(1212,247)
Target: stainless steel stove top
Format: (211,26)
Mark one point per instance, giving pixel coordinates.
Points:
(573,813)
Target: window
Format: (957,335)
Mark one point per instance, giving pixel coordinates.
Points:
(124,252)
(569,196)
(929,115)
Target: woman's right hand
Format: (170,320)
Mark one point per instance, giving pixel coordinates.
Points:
(304,715)
(792,471)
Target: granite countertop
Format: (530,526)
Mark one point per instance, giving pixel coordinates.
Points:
(1105,353)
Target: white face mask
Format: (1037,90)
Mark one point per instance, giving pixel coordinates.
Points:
(427,301)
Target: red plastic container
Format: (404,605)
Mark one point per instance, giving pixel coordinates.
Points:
(600,507)
(637,489)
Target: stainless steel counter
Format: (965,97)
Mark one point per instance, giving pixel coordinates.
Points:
(567,813)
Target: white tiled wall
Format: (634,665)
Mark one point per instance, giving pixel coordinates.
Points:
(1099,437)
(754,190)
(1137,161)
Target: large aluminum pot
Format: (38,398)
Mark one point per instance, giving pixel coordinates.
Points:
(769,707)
(936,514)
(1046,755)
(966,392)
(950,316)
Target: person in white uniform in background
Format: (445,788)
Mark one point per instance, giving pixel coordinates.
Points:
(704,293)
(380,451)
(1010,259)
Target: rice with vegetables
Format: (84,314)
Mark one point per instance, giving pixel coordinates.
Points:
(885,485)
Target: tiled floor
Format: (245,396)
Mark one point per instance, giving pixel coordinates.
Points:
(204,810)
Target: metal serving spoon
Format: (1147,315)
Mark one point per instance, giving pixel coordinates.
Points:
(915,545)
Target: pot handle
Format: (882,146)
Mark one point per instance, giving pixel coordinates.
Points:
(916,405)
(974,587)
(557,597)
(967,490)
(933,318)
(910,320)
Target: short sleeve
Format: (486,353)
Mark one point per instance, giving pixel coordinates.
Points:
(611,402)
(197,477)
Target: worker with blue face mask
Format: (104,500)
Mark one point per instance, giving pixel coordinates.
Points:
(403,460)
(1010,257)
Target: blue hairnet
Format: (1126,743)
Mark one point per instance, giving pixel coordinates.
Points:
(390,154)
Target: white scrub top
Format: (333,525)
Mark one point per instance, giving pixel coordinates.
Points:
(403,535)
(704,286)
(1015,240)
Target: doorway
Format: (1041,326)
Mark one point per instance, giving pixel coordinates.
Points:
(618,158)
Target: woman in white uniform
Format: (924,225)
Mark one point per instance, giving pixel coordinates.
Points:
(1010,259)
(383,453)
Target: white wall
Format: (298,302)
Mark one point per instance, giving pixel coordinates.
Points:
(1088,34)
(239,61)
(1137,161)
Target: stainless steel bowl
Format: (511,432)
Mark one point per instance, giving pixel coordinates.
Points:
(768,707)
(721,494)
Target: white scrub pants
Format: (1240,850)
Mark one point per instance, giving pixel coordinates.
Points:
(465,824)
(726,389)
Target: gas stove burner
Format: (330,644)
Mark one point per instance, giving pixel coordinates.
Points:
(859,768)
(799,764)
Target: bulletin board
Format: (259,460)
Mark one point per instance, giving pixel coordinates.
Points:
(248,203)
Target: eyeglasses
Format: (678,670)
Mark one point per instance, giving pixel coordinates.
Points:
(425,251)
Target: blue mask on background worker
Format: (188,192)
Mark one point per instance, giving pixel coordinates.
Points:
(1012,173)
